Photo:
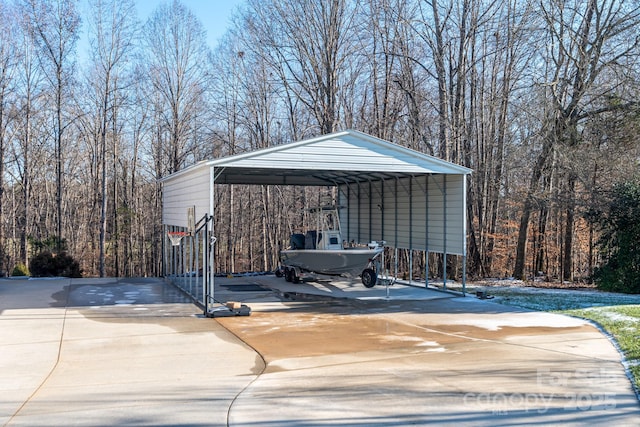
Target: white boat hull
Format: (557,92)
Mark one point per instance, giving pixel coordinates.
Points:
(346,262)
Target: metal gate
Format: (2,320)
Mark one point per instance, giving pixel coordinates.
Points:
(188,260)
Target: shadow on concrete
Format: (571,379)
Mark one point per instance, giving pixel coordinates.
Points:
(119,292)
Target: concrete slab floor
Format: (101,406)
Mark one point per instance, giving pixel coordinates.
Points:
(96,352)
(424,357)
(114,352)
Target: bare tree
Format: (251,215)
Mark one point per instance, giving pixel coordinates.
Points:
(177,56)
(389,82)
(27,147)
(308,42)
(54,26)
(584,40)
(175,60)
(499,55)
(112,32)
(8,60)
(534,95)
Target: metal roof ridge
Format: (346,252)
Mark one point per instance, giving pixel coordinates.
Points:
(273,148)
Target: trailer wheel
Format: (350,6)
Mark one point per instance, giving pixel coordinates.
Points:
(369,278)
(288,274)
(279,272)
(294,276)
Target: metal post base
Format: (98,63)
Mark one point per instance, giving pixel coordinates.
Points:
(224,311)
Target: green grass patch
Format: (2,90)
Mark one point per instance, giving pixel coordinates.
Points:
(623,323)
(635,373)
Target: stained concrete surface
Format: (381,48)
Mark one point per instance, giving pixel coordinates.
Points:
(412,356)
(136,352)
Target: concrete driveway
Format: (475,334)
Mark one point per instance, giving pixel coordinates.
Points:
(98,352)
(136,352)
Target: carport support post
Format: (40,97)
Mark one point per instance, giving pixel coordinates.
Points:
(395,256)
(190,262)
(370,239)
(395,225)
(359,215)
(164,250)
(205,267)
(426,232)
(410,230)
(444,235)
(208,282)
(464,275)
(444,270)
(174,257)
(464,248)
(209,242)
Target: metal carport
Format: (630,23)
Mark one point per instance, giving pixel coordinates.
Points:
(409,199)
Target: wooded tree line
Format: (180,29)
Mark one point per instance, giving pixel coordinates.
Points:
(538,97)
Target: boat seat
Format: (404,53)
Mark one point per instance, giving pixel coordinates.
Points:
(297,241)
(310,239)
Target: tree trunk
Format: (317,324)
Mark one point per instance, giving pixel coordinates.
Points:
(521,246)
(2,150)
(567,262)
(443,102)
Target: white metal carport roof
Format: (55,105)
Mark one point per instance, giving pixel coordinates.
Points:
(409,199)
(342,157)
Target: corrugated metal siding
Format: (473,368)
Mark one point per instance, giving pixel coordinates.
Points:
(409,218)
(189,189)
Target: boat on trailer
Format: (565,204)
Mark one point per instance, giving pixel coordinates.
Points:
(323,251)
